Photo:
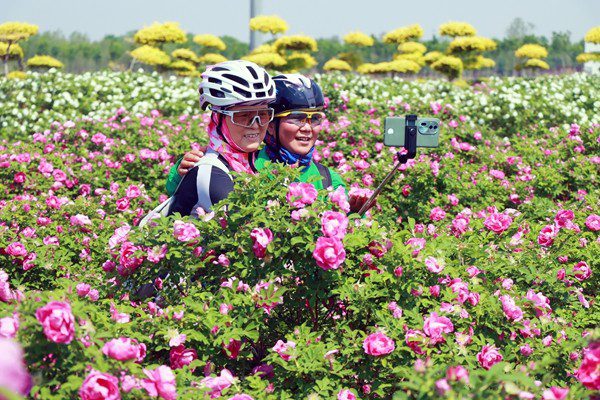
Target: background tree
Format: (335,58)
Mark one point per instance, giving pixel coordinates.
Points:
(531,56)
(44,63)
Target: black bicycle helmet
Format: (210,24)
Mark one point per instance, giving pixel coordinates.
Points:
(296,91)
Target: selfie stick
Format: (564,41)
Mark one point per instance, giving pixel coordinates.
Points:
(410,144)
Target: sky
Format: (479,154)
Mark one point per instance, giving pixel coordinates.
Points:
(316,18)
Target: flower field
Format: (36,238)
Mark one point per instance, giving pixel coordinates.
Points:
(474,276)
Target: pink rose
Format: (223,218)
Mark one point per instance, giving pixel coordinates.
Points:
(241,396)
(346,394)
(261,237)
(160,382)
(417,244)
(16,249)
(98,385)
(185,231)
(497,174)
(589,370)
(437,214)
(442,386)
(123,349)
(555,393)
(282,348)
(219,383)
(458,373)
(179,356)
(58,321)
(547,235)
(334,224)
(14,376)
(433,265)
(329,253)
(301,194)
(378,344)
(128,263)
(564,218)
(497,222)
(582,271)
(434,326)
(511,310)
(9,327)
(488,356)
(339,198)
(414,339)
(593,222)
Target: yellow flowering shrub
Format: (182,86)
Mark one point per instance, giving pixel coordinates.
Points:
(412,47)
(264,48)
(295,42)
(404,66)
(432,57)
(44,62)
(396,66)
(298,61)
(181,65)
(456,29)
(15,51)
(211,58)
(404,34)
(157,34)
(414,57)
(15,31)
(450,66)
(536,63)
(17,75)
(269,24)
(185,54)
(479,62)
(335,64)
(468,44)
(366,68)
(588,57)
(212,41)
(267,60)
(359,39)
(150,55)
(593,35)
(531,51)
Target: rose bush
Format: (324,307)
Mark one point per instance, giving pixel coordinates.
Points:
(474,276)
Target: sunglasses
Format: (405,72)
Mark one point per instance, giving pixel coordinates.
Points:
(300,118)
(246,118)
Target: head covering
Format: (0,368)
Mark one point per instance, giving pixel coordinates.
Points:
(220,141)
(293,92)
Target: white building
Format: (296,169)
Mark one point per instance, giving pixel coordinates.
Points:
(594,66)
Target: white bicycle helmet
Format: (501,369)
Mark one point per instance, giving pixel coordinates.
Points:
(235,82)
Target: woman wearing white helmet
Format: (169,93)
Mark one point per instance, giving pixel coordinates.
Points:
(238,94)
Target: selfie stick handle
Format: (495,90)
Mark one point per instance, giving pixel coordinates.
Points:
(410,144)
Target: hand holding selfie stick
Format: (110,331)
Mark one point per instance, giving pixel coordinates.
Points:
(410,144)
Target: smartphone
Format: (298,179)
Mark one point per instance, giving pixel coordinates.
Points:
(428,132)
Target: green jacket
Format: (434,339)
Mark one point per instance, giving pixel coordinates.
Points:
(336,180)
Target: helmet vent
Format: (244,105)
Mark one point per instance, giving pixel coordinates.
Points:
(237,79)
(266,79)
(253,72)
(243,92)
(258,86)
(217,93)
(260,94)
(219,69)
(214,80)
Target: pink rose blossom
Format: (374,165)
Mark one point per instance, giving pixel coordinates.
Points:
(282,349)
(458,373)
(346,394)
(589,370)
(593,222)
(241,396)
(185,231)
(489,356)
(98,385)
(179,356)
(437,214)
(124,349)
(160,382)
(219,383)
(582,271)
(433,265)
(547,235)
(555,393)
(526,350)
(16,249)
(329,253)
(442,386)
(58,321)
(261,237)
(334,224)
(301,194)
(497,222)
(434,326)
(511,310)
(378,344)
(14,377)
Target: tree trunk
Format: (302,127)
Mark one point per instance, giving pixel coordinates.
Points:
(6,57)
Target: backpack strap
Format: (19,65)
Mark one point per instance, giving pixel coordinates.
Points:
(325,173)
